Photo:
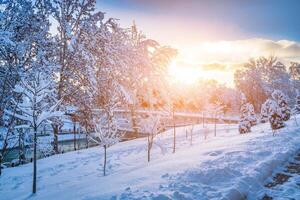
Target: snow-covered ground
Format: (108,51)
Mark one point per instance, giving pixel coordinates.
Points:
(285,181)
(229,166)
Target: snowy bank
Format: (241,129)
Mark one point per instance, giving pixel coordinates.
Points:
(229,166)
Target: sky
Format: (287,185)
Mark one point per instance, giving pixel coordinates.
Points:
(215,37)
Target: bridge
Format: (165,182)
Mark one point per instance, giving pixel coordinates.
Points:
(130,120)
(170,119)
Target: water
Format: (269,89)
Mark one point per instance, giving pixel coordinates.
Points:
(63,146)
(66,146)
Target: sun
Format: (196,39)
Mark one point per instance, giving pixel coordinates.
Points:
(192,73)
(186,75)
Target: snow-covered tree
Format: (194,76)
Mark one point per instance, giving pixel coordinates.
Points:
(107,94)
(275,114)
(271,112)
(297,105)
(72,18)
(264,113)
(36,107)
(247,117)
(252,116)
(106,133)
(24,40)
(152,126)
(244,123)
(145,78)
(281,100)
(259,77)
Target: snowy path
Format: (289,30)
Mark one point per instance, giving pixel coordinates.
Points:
(229,166)
(285,183)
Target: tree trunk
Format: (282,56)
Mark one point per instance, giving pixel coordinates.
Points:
(104,166)
(0,164)
(86,141)
(34,161)
(174,134)
(148,147)
(20,150)
(86,136)
(74,132)
(192,135)
(215,126)
(133,121)
(203,119)
(21,147)
(186,134)
(55,142)
(296,120)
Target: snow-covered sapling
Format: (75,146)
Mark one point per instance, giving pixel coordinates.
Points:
(106,133)
(35,108)
(205,132)
(191,131)
(152,126)
(281,100)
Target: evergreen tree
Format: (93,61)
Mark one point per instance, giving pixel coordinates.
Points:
(252,116)
(272,113)
(264,113)
(247,117)
(281,100)
(297,105)
(275,115)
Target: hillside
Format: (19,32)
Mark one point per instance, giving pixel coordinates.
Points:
(230,166)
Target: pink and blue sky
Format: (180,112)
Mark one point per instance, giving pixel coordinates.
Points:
(226,32)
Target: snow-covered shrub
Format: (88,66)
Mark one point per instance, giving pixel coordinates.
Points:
(244,126)
(247,118)
(274,114)
(281,100)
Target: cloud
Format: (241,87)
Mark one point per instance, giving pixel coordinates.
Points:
(213,66)
(228,55)
(220,59)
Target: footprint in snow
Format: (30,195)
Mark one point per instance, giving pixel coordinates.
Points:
(165,175)
(215,153)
